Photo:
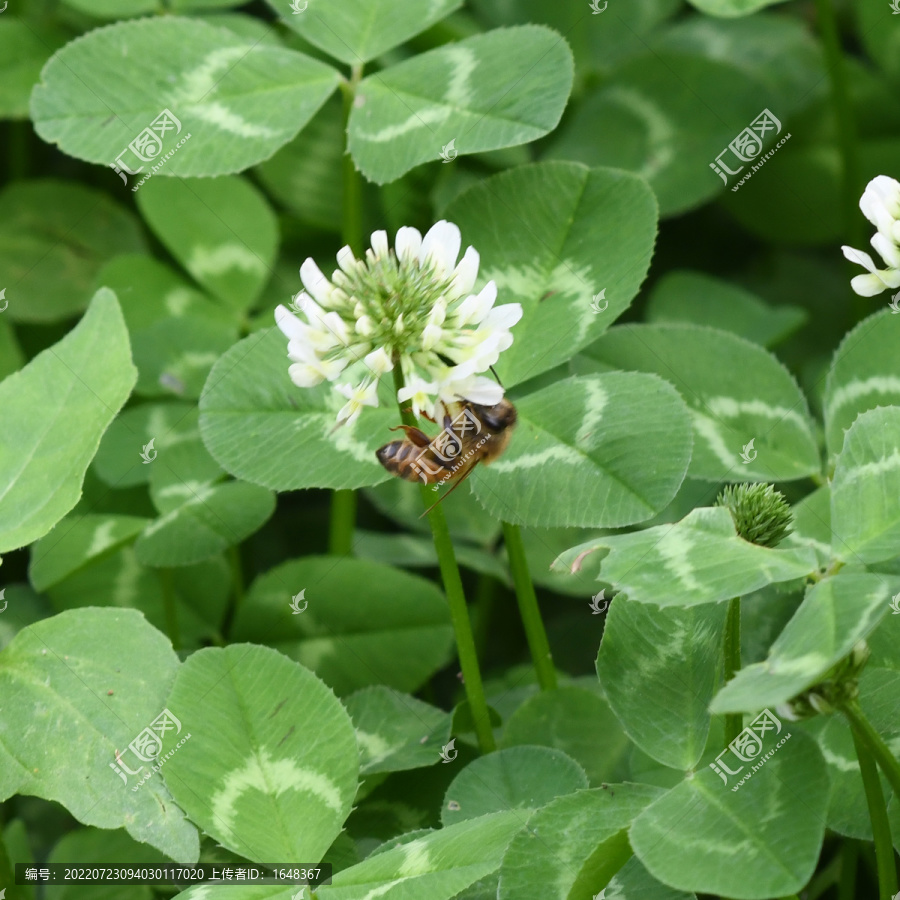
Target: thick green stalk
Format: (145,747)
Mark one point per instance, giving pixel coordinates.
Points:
(878,816)
(844,120)
(848,143)
(456,599)
(528,608)
(734,722)
(351,220)
(233,555)
(342,523)
(343,503)
(875,743)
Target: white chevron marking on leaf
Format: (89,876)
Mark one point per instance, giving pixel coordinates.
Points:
(660,131)
(264,774)
(558,453)
(222,258)
(731,408)
(194,85)
(464,61)
(853,390)
(432,115)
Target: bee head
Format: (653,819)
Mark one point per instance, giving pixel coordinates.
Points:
(498,417)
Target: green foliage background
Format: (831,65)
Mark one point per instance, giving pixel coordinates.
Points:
(167,494)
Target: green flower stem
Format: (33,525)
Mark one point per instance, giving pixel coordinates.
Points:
(343,503)
(168,591)
(851,186)
(342,523)
(734,722)
(874,742)
(456,599)
(528,608)
(843,112)
(878,816)
(351,222)
(233,555)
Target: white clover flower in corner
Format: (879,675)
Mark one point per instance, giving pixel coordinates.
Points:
(412,306)
(880,204)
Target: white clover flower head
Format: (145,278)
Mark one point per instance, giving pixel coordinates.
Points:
(411,306)
(880,204)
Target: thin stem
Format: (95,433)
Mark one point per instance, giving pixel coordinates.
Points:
(168,590)
(734,722)
(343,521)
(878,816)
(233,555)
(529,609)
(456,599)
(848,143)
(847,883)
(843,112)
(343,503)
(351,221)
(875,743)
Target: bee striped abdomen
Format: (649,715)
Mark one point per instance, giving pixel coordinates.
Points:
(398,458)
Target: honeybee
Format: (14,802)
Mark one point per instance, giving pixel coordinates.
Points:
(472,434)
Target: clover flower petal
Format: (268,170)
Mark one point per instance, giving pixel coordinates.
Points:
(411,305)
(880,203)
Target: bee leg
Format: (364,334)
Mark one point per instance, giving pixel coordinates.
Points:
(415,435)
(450,491)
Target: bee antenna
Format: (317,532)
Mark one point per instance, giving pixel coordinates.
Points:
(494,373)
